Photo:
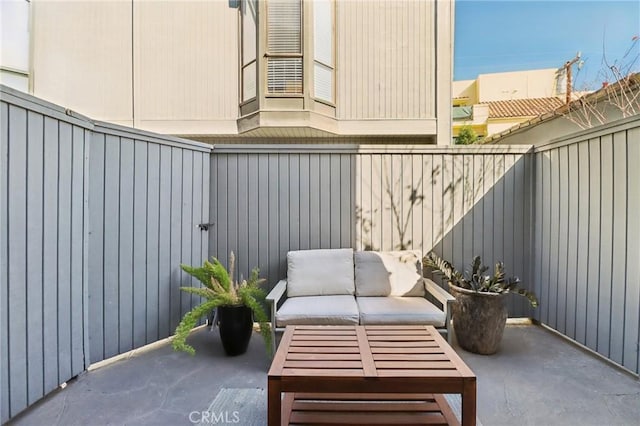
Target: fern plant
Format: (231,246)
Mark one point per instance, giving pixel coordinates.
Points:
(477,280)
(220,290)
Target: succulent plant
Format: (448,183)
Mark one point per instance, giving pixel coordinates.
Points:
(477,279)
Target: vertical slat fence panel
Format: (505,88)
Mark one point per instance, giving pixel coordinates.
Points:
(582,242)
(593,285)
(592,278)
(4,264)
(35,277)
(619,246)
(65,177)
(125,245)
(563,235)
(571,265)
(606,244)
(631,356)
(77,250)
(17,250)
(394,200)
(42,200)
(100,220)
(140,219)
(50,254)
(145,204)
(153,244)
(96,245)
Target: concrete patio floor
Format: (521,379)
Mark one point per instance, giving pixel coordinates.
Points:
(536,379)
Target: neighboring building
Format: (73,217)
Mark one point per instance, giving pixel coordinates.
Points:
(613,102)
(498,101)
(248,71)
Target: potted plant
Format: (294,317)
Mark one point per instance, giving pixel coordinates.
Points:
(479,313)
(237,304)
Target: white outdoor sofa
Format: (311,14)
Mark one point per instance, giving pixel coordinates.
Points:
(343,286)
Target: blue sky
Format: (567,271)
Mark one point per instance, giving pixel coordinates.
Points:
(496,36)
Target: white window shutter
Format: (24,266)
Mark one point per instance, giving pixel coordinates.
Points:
(249,82)
(323,81)
(284,75)
(284,26)
(323,50)
(249,24)
(322,32)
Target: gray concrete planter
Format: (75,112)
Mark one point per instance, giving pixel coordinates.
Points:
(478,319)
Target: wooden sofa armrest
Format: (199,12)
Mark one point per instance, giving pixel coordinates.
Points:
(443,297)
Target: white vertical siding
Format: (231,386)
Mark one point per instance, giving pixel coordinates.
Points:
(385,59)
(82,57)
(186,60)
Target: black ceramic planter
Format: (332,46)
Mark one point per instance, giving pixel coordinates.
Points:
(236,327)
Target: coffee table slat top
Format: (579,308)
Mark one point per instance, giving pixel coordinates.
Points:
(366,351)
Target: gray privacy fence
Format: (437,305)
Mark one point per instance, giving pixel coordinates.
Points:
(587,239)
(147,196)
(94,222)
(456,201)
(43,249)
(563,218)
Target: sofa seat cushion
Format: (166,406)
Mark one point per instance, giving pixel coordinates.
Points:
(399,310)
(318,310)
(391,273)
(320,272)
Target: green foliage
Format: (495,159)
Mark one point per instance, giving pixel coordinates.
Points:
(466,136)
(220,290)
(476,280)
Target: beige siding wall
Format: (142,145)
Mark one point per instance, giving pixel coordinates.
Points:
(165,66)
(186,60)
(172,67)
(385,59)
(82,57)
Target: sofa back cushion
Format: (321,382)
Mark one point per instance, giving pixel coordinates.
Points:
(391,273)
(320,272)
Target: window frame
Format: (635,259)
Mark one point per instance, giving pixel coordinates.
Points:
(332,102)
(268,55)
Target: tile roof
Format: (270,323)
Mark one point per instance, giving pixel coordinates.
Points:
(522,107)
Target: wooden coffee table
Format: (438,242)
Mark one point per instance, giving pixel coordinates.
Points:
(368,375)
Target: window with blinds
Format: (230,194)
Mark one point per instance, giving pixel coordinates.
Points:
(323,50)
(284,46)
(249,20)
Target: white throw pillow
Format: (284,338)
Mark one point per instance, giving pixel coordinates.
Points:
(320,272)
(391,273)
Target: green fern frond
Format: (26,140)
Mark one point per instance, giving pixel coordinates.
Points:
(207,293)
(199,273)
(189,321)
(221,290)
(216,270)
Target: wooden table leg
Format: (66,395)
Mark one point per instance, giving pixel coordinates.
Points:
(274,396)
(469,403)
